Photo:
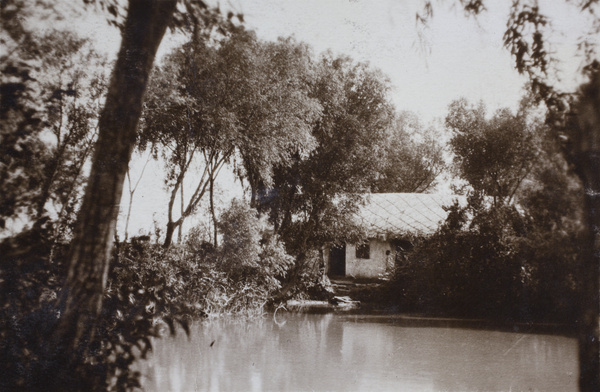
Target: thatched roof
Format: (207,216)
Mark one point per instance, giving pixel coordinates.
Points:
(405,213)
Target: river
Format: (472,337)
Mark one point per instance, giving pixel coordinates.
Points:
(343,352)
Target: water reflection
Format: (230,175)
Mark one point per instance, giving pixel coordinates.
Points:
(332,352)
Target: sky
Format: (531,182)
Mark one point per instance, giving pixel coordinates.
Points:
(454,56)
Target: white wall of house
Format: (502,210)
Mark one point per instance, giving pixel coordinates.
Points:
(373,267)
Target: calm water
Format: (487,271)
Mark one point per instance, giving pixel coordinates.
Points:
(334,352)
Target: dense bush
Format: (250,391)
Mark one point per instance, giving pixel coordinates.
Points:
(307,279)
(150,291)
(144,297)
(252,258)
(491,261)
(28,286)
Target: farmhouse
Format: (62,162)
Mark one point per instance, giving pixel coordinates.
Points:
(391,221)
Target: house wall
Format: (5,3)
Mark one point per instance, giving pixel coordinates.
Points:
(373,267)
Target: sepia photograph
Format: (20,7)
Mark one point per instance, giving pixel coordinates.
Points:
(318,195)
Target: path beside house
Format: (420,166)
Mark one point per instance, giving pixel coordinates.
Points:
(346,294)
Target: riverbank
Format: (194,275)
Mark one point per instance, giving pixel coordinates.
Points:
(370,299)
(368,312)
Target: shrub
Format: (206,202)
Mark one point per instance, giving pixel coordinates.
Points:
(240,246)
(254,260)
(144,296)
(150,291)
(490,261)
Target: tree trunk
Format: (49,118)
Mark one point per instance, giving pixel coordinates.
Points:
(131,193)
(586,157)
(589,346)
(179,233)
(195,199)
(212,208)
(171,226)
(129,205)
(80,301)
(128,216)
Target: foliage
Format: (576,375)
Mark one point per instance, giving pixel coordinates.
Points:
(494,155)
(140,293)
(76,350)
(275,263)
(49,114)
(28,284)
(493,262)
(238,97)
(575,120)
(89,258)
(472,270)
(412,158)
(249,253)
(511,257)
(150,291)
(240,245)
(313,196)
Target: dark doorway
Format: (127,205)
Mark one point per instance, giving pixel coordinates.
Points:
(337,260)
(401,248)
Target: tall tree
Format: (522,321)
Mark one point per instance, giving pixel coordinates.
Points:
(81,298)
(238,96)
(173,123)
(575,117)
(494,155)
(313,197)
(412,158)
(585,155)
(279,112)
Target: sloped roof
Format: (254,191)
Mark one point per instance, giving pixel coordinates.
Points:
(405,213)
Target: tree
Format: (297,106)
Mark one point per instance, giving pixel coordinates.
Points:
(575,118)
(277,113)
(49,129)
(585,155)
(510,260)
(80,301)
(313,196)
(237,96)
(174,122)
(412,158)
(494,155)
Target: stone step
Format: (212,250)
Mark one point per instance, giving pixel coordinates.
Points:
(345,287)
